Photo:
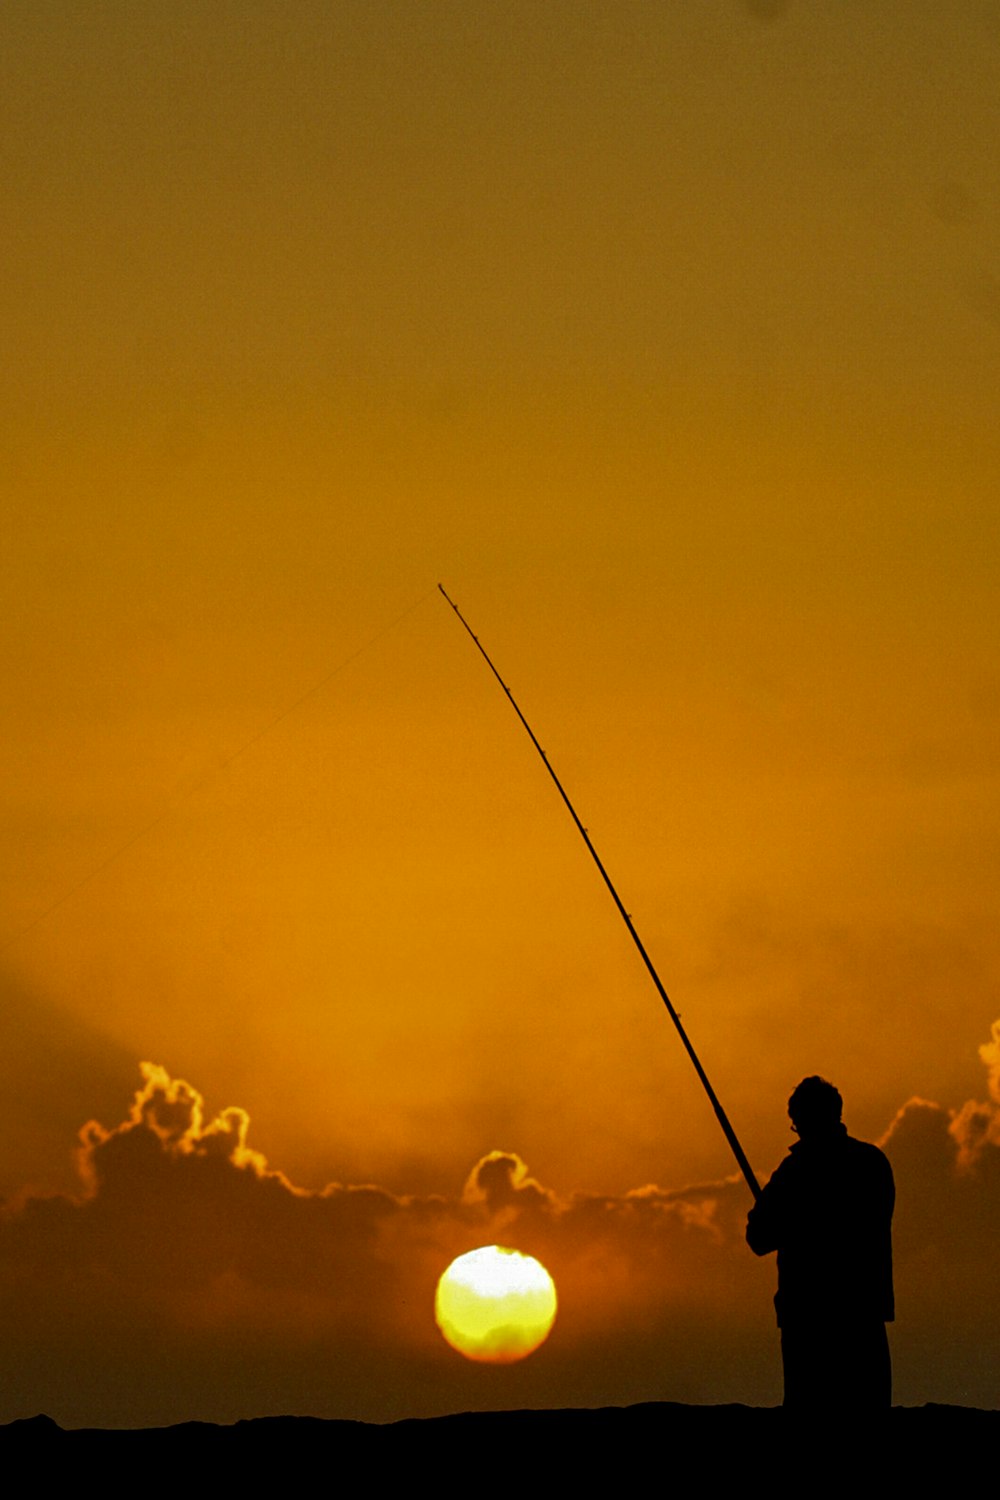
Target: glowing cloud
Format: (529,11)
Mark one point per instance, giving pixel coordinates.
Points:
(186,1259)
(976,1125)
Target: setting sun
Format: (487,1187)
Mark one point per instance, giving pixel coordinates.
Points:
(495,1304)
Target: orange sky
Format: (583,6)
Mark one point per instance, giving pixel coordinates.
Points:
(668,338)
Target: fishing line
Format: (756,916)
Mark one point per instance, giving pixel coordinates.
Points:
(219,766)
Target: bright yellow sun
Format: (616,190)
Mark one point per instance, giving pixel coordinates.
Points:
(495,1305)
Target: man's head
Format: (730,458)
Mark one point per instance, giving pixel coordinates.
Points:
(815,1107)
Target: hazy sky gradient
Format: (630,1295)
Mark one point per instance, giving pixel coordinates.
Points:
(669,338)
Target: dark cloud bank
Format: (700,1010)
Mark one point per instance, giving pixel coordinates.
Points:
(189,1279)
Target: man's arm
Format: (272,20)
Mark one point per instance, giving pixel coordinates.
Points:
(766,1220)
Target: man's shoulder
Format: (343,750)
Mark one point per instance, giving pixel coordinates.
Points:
(867,1150)
(809,1157)
(868,1158)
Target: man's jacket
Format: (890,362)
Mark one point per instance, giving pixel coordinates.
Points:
(828,1212)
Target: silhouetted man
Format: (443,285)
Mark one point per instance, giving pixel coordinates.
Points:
(828,1212)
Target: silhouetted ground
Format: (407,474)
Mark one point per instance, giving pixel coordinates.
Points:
(675,1446)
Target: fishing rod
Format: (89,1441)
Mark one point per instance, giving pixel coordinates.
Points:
(720,1113)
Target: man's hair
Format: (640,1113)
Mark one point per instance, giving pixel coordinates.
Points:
(815,1105)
